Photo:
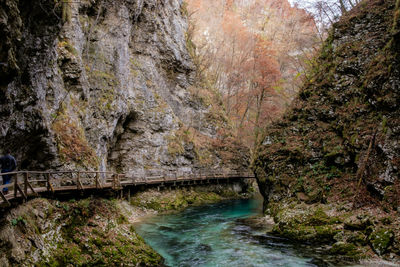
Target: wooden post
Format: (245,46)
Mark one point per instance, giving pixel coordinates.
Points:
(15,185)
(33,190)
(21,192)
(49,186)
(48,181)
(26,175)
(18,188)
(97,180)
(78,181)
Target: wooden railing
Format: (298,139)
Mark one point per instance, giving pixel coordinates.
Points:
(26,184)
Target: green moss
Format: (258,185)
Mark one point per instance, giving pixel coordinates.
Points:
(319,217)
(299,233)
(334,152)
(326,232)
(68,46)
(86,243)
(295,223)
(260,174)
(104,75)
(122,219)
(380,240)
(175,145)
(357,238)
(396,18)
(184,9)
(346,249)
(180,198)
(66,11)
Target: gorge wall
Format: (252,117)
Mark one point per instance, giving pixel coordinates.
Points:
(105,85)
(337,148)
(344,124)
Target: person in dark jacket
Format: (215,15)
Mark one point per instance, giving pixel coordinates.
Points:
(8,164)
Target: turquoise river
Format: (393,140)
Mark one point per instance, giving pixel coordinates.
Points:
(219,235)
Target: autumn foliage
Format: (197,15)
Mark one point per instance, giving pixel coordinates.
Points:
(252,51)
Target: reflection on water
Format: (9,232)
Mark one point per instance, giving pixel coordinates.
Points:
(217,235)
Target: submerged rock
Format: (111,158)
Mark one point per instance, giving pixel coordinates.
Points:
(204,248)
(164,228)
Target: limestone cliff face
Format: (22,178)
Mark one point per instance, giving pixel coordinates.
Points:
(329,169)
(101,85)
(340,140)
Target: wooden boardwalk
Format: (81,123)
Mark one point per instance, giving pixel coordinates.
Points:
(26,184)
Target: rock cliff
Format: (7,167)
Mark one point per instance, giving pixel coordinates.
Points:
(337,148)
(88,232)
(108,85)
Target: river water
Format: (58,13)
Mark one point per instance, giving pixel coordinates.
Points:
(218,235)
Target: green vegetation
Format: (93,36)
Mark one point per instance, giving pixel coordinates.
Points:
(380,240)
(18,220)
(99,232)
(65,43)
(312,225)
(348,250)
(179,199)
(95,233)
(351,236)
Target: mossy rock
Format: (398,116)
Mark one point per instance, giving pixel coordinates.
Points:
(299,233)
(316,196)
(305,223)
(319,217)
(325,233)
(380,240)
(180,199)
(357,238)
(96,233)
(396,244)
(355,223)
(346,249)
(315,234)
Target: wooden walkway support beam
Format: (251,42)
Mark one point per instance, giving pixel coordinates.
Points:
(4,198)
